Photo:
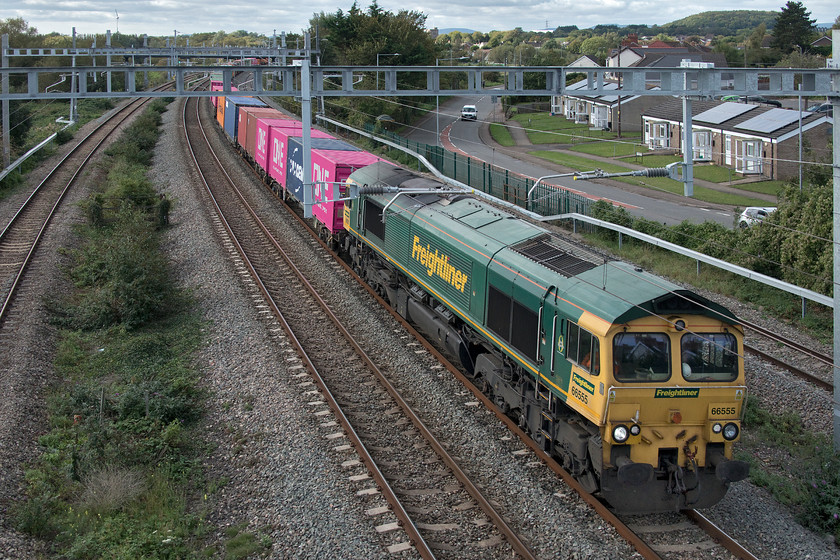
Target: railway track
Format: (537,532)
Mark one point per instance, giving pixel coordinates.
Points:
(812,357)
(433,506)
(20,237)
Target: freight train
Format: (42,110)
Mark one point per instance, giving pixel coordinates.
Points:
(634,384)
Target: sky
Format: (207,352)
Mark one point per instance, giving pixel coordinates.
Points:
(164,17)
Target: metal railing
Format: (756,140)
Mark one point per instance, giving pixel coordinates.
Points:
(501,183)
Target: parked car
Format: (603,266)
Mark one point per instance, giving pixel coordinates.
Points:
(469,113)
(753,215)
(751,99)
(825,108)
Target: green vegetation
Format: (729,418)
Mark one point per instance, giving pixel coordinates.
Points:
(802,472)
(794,28)
(241,544)
(775,251)
(715,173)
(578,163)
(501,135)
(544,128)
(611,148)
(121,462)
(36,121)
(727,22)
(363,37)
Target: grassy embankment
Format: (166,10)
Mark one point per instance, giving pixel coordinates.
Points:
(120,474)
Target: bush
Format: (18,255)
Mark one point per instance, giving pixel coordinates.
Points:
(123,278)
(63,136)
(110,488)
(821,509)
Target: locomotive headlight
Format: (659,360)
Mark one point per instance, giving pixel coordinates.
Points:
(620,434)
(716,427)
(730,431)
(635,429)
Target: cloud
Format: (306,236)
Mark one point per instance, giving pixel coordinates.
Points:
(162,17)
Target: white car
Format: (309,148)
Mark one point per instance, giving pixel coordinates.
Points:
(469,113)
(753,215)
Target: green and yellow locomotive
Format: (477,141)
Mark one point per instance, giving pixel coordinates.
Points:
(635,384)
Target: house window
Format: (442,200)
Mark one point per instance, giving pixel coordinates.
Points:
(600,117)
(702,145)
(581,114)
(657,135)
(749,159)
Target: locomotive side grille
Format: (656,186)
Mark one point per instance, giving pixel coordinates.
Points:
(544,251)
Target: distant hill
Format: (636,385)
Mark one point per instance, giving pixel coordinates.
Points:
(720,23)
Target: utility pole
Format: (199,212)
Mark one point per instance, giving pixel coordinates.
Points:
(73,112)
(618,101)
(835,103)
(7,146)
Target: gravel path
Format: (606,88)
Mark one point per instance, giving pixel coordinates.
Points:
(275,470)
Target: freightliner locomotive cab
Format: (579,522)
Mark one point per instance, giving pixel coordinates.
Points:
(634,384)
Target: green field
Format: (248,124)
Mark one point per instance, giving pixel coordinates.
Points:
(544,128)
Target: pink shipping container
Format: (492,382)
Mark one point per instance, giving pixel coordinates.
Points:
(216,85)
(246,130)
(278,148)
(261,145)
(331,167)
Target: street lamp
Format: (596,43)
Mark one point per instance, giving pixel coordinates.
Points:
(377,64)
(437,97)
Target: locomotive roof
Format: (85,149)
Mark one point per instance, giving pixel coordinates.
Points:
(613,290)
(620,292)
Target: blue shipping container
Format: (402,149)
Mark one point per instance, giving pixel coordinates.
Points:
(294,159)
(232,105)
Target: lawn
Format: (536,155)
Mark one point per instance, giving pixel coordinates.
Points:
(580,163)
(765,187)
(544,128)
(611,148)
(501,134)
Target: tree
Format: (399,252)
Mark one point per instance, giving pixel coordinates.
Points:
(794,28)
(599,46)
(757,37)
(21,35)
(358,36)
(797,59)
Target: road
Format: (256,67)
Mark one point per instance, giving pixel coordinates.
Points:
(464,136)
